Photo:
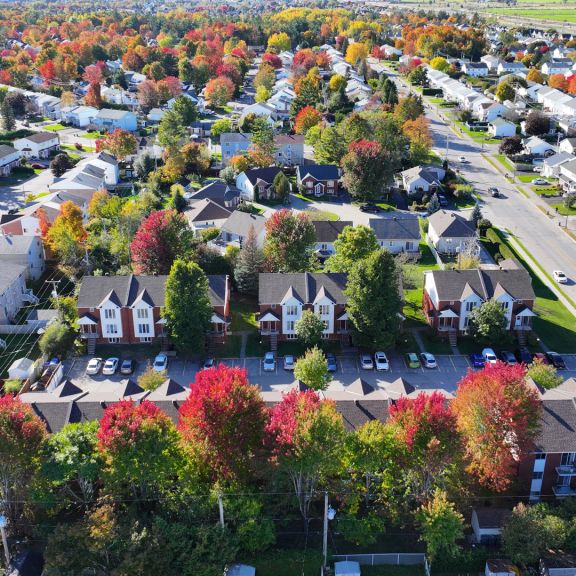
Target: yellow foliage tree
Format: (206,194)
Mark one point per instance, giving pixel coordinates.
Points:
(356,53)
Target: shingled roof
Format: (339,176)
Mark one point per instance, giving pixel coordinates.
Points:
(305,286)
(451,225)
(395,228)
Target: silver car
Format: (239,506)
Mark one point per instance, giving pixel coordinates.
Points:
(269,364)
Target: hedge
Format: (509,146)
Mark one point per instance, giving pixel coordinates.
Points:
(431,91)
(497,240)
(15,134)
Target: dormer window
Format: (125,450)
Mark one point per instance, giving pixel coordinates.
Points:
(291,310)
(324,310)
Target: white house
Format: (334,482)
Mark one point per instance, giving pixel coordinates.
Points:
(490,113)
(551,165)
(13,293)
(390,50)
(556,67)
(260,109)
(109,164)
(155,115)
(289,149)
(475,69)
(500,128)
(257,182)
(9,159)
(397,234)
(25,251)
(511,68)
(567,176)
(449,232)
(110,120)
(491,61)
(537,147)
(422,179)
(79,116)
(567,145)
(38,145)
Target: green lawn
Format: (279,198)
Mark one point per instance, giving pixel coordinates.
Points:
(477,136)
(555,14)
(562,210)
(286,563)
(242,311)
(504,161)
(54,127)
(318,215)
(435,345)
(17,346)
(229,350)
(385,207)
(302,196)
(92,135)
(254,348)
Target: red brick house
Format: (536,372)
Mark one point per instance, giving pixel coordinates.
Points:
(283,297)
(451,295)
(318,179)
(128,309)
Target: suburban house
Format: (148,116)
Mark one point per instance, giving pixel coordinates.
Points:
(500,128)
(78,116)
(487,523)
(13,292)
(551,165)
(318,179)
(283,297)
(25,251)
(9,159)
(326,233)
(567,176)
(475,69)
(236,228)
(257,183)
(490,61)
(108,163)
(422,179)
(155,115)
(511,68)
(128,309)
(204,214)
(218,191)
(259,109)
(289,149)
(557,66)
(110,120)
(38,145)
(234,144)
(449,232)
(490,111)
(567,145)
(538,147)
(398,234)
(451,295)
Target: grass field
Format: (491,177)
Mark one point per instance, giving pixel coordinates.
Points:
(318,215)
(243,317)
(54,127)
(555,14)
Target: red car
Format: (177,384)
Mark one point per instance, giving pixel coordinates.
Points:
(541,358)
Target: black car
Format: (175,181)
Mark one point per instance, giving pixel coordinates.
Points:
(442,200)
(556,360)
(524,356)
(494,192)
(372,208)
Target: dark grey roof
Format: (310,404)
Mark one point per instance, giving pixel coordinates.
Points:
(305,286)
(27,563)
(327,231)
(126,290)
(319,171)
(489,517)
(451,225)
(557,427)
(217,191)
(40,137)
(356,414)
(239,223)
(266,174)
(396,228)
(6,150)
(54,414)
(559,559)
(206,209)
(66,389)
(451,283)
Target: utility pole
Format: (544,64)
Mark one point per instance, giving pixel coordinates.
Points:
(54,293)
(325,533)
(3,523)
(221,510)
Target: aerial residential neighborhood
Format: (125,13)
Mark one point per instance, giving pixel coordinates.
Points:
(287,288)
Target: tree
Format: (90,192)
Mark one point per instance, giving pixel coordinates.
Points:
(144,164)
(221,126)
(531,531)
(18,101)
(498,417)
(434,204)
(389,92)
(488,323)
(219,91)
(22,437)
(309,328)
(330,148)
(306,118)
(71,462)
(140,448)
(353,244)
(186,109)
(366,170)
(418,133)
(559,82)
(196,157)
(441,525)
(162,237)
(356,53)
(374,301)
(188,311)
(171,131)
(505,91)
(534,75)
(177,201)
(222,424)
(67,233)
(337,82)
(476,215)
(148,95)
(418,76)
(262,94)
(290,241)
(511,146)
(312,369)
(60,164)
(544,375)
(279,42)
(120,143)
(305,435)
(7,115)
(57,340)
(249,265)
(281,186)
(440,63)
(150,379)
(265,77)
(262,136)
(409,108)
(537,123)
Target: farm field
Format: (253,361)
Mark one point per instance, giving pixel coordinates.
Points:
(554,14)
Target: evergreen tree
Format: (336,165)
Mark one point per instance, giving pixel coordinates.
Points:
(248,265)
(330,148)
(476,215)
(434,204)
(281,186)
(7,114)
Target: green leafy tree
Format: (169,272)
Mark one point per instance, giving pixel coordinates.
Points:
(177,201)
(312,369)
(488,322)
(186,110)
(409,108)
(544,375)
(418,76)
(374,301)
(330,148)
(248,265)
(309,328)
(389,92)
(354,243)
(188,310)
(150,379)
(441,525)
(263,136)
(171,131)
(60,164)
(504,91)
(221,126)
(57,340)
(281,186)
(7,115)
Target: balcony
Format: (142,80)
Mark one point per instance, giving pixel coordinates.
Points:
(563,491)
(268,332)
(567,470)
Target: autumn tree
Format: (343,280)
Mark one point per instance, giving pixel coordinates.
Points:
(305,435)
(312,369)
(356,53)
(148,95)
(306,118)
(440,63)
(140,448)
(559,82)
(120,143)
(279,42)
(249,265)
(222,425)
(374,302)
(67,233)
(353,244)
(418,133)
(534,75)
(544,375)
(219,91)
(93,75)
(188,311)
(505,91)
(497,416)
(290,241)
(265,77)
(161,238)
(537,123)
(409,108)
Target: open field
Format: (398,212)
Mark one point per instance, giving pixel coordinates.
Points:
(554,14)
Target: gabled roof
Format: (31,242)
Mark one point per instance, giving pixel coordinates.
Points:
(557,427)
(11,244)
(489,517)
(451,225)
(273,287)
(40,137)
(110,114)
(239,223)
(265,174)
(206,210)
(218,191)
(328,231)
(396,228)
(6,150)
(318,171)
(169,390)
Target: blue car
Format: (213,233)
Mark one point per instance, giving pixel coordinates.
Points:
(477,360)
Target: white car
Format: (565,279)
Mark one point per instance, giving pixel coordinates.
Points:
(489,356)
(381,361)
(289,362)
(539,182)
(269,363)
(428,360)
(560,277)
(160,362)
(366,362)
(537,169)
(463,159)
(110,366)
(94,366)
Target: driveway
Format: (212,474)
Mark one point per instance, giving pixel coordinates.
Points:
(15,194)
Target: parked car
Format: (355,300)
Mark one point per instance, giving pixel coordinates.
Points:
(541,358)
(37,166)
(381,361)
(556,360)
(428,360)
(442,200)
(289,363)
(331,360)
(477,360)
(524,356)
(494,192)
(412,360)
(463,159)
(539,182)
(94,366)
(537,169)
(110,366)
(369,207)
(208,363)
(269,364)
(489,356)
(508,358)
(366,362)
(160,362)
(560,277)
(127,367)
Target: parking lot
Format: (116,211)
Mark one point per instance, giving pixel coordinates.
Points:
(450,370)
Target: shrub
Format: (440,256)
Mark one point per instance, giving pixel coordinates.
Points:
(150,379)
(209,234)
(12,386)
